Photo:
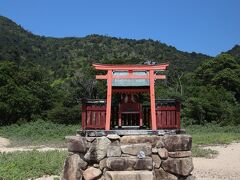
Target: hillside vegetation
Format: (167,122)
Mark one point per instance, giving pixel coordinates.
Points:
(44,77)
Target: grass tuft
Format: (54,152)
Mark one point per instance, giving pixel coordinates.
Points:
(37,133)
(202,152)
(211,134)
(31,164)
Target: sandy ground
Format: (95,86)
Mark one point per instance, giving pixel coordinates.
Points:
(226,165)
(4,143)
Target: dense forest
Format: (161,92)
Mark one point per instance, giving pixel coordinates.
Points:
(44,77)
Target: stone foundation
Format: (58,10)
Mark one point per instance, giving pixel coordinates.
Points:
(135,157)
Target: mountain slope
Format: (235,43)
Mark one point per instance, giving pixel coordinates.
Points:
(20,45)
(235,51)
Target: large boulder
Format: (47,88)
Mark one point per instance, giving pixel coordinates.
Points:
(129,163)
(91,173)
(179,166)
(77,144)
(113,136)
(163,153)
(134,149)
(97,150)
(160,174)
(143,164)
(73,166)
(136,139)
(103,163)
(114,151)
(133,175)
(118,164)
(177,142)
(157,161)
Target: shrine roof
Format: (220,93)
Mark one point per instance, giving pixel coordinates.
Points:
(130,82)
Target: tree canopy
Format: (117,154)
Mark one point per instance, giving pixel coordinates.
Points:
(45,77)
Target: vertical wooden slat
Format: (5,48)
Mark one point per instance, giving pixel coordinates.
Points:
(178,115)
(83,115)
(168,118)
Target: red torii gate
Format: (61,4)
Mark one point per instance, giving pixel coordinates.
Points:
(151,76)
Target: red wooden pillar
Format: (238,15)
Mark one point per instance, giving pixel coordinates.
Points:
(152,99)
(109,99)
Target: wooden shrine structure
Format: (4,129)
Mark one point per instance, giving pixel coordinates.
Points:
(130,81)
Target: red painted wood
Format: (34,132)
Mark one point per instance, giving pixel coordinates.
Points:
(123,67)
(83,115)
(168,117)
(93,117)
(109,99)
(130,91)
(178,106)
(129,110)
(152,101)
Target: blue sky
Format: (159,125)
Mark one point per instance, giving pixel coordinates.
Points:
(206,26)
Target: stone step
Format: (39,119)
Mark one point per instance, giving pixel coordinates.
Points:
(133,175)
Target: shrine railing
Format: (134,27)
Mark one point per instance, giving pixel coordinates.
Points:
(167,115)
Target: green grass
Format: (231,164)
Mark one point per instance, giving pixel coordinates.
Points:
(211,134)
(31,164)
(201,152)
(38,133)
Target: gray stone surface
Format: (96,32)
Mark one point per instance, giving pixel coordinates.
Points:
(113,136)
(129,175)
(96,165)
(76,144)
(157,161)
(144,164)
(118,164)
(114,151)
(159,144)
(90,139)
(103,163)
(180,154)
(91,173)
(163,153)
(177,142)
(73,166)
(160,174)
(179,166)
(98,149)
(154,150)
(167,157)
(191,177)
(134,149)
(129,163)
(136,139)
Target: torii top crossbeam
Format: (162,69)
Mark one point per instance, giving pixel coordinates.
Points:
(131,69)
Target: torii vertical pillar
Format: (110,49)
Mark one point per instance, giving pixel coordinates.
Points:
(152,99)
(109,99)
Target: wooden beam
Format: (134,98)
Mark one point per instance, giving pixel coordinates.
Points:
(121,67)
(131,77)
(109,99)
(128,91)
(101,76)
(152,99)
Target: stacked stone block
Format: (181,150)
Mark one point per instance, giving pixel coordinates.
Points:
(137,157)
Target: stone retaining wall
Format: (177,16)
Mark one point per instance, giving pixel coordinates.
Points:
(136,157)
